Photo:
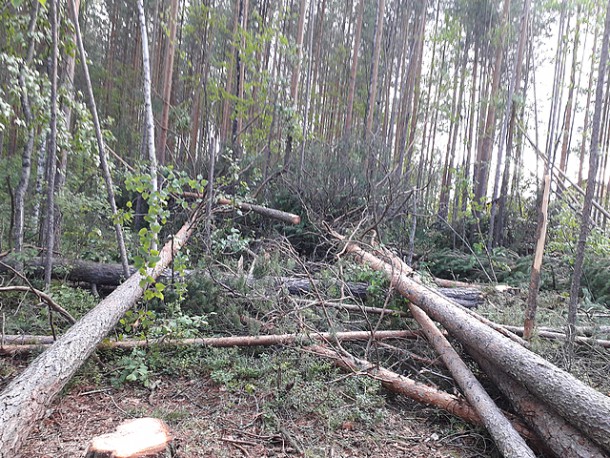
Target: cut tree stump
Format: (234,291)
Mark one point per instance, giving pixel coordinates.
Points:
(139,438)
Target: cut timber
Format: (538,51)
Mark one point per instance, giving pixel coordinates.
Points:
(504,435)
(581,405)
(562,439)
(142,437)
(25,400)
(18,344)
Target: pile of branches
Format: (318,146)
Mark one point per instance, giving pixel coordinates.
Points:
(563,416)
(553,412)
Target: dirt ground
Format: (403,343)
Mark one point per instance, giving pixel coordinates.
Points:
(209,421)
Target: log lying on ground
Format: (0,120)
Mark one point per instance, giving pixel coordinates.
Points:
(400,267)
(26,398)
(561,336)
(15,344)
(415,390)
(111,274)
(444,283)
(289,218)
(504,435)
(353,307)
(588,331)
(467,297)
(75,270)
(286,217)
(581,405)
(563,440)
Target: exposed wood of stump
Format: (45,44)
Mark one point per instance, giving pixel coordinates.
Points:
(142,437)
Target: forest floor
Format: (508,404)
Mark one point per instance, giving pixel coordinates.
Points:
(282,402)
(209,420)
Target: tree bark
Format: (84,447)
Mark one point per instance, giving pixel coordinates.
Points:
(295,77)
(504,435)
(354,69)
(585,225)
(417,391)
(25,400)
(111,275)
(168,77)
(24,344)
(52,157)
(118,229)
(563,440)
(370,111)
(580,404)
(26,160)
(508,116)
(559,335)
(265,211)
(486,142)
(149,118)
(534,286)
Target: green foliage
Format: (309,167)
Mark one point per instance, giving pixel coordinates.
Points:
(135,368)
(136,323)
(596,278)
(455,264)
(173,186)
(77,301)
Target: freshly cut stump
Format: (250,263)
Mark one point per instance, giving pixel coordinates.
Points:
(139,438)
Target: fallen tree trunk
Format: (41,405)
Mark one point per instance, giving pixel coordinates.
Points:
(578,403)
(289,218)
(412,389)
(563,439)
(353,307)
(25,399)
(504,435)
(75,270)
(561,336)
(19,344)
(280,215)
(111,274)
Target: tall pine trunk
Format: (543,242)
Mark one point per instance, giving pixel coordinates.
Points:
(585,224)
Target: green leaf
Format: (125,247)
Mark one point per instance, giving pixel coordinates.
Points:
(159,286)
